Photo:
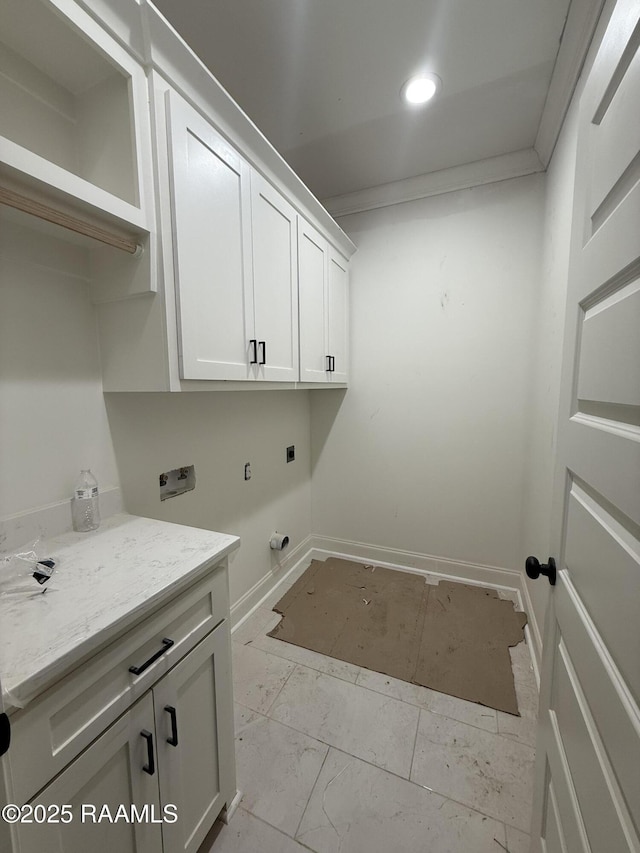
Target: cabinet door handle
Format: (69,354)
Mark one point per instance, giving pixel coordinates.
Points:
(150,766)
(328,367)
(333,364)
(166,644)
(253,343)
(173,740)
(263,346)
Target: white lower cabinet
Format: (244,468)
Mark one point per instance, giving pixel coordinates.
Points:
(108,774)
(193,718)
(157,778)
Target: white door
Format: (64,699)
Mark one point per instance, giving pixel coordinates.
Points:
(194,724)
(312,295)
(116,770)
(338,287)
(587,789)
(212,257)
(275,282)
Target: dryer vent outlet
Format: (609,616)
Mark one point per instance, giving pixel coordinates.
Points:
(278,541)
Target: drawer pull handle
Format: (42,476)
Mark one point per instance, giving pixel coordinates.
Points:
(150,767)
(173,740)
(137,670)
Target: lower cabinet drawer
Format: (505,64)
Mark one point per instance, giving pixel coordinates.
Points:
(57,726)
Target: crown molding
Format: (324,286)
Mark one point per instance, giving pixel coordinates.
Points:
(579,29)
(514,165)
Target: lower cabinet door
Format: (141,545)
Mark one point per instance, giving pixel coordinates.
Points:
(194,724)
(105,801)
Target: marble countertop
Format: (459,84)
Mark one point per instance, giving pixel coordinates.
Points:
(104,582)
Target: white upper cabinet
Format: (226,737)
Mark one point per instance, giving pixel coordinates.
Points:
(323,293)
(115,135)
(275,282)
(212,248)
(235,259)
(338,325)
(75,117)
(312,281)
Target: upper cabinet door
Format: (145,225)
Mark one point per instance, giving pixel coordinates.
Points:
(338,297)
(211,232)
(312,293)
(275,282)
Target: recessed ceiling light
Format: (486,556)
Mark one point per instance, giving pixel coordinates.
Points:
(421,88)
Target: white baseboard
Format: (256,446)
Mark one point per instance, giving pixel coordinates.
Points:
(532,630)
(423,564)
(227,813)
(253,598)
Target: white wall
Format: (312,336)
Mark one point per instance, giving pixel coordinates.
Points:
(426,452)
(218,432)
(52,413)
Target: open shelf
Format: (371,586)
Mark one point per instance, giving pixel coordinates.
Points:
(68,103)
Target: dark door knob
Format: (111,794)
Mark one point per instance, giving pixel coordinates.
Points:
(535,568)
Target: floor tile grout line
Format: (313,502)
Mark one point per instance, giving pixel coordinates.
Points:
(415,741)
(315,785)
(355,683)
(266,713)
(308,666)
(391,773)
(271,826)
(429,710)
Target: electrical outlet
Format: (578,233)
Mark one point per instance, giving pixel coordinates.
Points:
(291,453)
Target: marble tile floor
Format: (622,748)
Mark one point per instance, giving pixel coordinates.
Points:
(337,759)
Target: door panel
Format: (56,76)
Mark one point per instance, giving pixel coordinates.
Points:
(615,131)
(565,825)
(603,557)
(610,340)
(609,701)
(210,193)
(587,761)
(605,453)
(589,724)
(553,834)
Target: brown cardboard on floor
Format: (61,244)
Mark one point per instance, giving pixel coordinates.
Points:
(452,637)
(464,649)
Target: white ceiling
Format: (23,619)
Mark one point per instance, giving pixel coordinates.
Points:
(321,78)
